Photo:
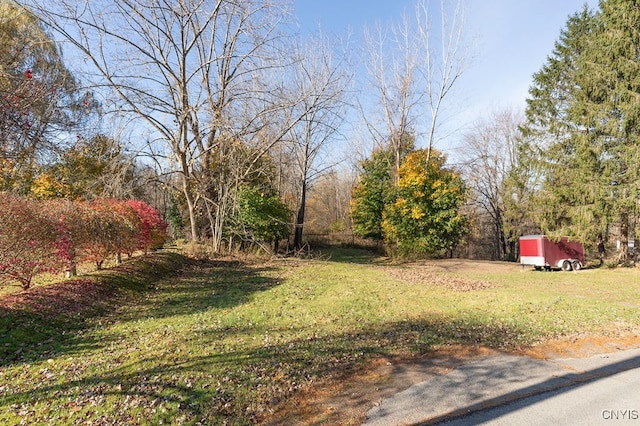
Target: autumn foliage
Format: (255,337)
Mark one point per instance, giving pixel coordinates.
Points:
(28,241)
(54,236)
(152,229)
(420,215)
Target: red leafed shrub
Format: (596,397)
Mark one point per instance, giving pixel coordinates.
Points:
(72,232)
(152,231)
(54,236)
(95,234)
(29,240)
(110,228)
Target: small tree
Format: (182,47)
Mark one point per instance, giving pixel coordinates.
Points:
(263,218)
(424,218)
(370,195)
(94,167)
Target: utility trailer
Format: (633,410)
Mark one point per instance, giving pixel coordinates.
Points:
(541,253)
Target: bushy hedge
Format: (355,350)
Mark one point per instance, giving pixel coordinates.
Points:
(54,236)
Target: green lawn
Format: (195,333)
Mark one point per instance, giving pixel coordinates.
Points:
(225,341)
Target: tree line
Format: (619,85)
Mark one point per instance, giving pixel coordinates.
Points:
(226,117)
(565,166)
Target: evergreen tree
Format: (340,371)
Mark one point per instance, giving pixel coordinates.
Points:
(584,112)
(612,103)
(569,164)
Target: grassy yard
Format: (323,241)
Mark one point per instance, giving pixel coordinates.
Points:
(175,341)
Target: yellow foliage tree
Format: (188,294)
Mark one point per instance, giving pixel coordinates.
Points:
(425,217)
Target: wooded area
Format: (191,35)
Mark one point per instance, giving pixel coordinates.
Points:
(245,133)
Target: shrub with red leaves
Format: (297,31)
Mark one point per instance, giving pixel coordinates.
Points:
(29,241)
(152,231)
(53,236)
(111,228)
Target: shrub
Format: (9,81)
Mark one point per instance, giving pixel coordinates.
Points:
(30,242)
(152,229)
(65,215)
(109,230)
(55,235)
(261,218)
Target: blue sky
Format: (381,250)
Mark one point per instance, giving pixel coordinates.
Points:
(514,37)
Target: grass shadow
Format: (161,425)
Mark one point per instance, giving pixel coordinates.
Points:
(45,320)
(354,255)
(205,285)
(50,320)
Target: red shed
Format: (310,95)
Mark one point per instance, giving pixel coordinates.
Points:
(540,252)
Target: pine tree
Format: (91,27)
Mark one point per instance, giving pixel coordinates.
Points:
(612,101)
(584,113)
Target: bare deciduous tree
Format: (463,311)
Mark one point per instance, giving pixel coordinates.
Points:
(413,65)
(201,78)
(328,210)
(445,56)
(320,78)
(489,154)
(392,62)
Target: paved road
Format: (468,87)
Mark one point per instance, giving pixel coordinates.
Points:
(514,390)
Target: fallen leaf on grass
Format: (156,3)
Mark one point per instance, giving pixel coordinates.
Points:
(422,275)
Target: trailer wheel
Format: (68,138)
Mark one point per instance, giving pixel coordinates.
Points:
(576,265)
(566,265)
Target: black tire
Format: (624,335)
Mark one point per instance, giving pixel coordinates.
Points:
(576,265)
(566,265)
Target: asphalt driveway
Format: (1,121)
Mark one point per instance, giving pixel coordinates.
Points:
(512,390)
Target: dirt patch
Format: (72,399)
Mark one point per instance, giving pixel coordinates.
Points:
(449,273)
(582,346)
(463,266)
(345,399)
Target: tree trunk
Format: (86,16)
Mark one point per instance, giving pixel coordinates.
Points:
(297,239)
(624,237)
(502,238)
(397,154)
(191,209)
(71,272)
